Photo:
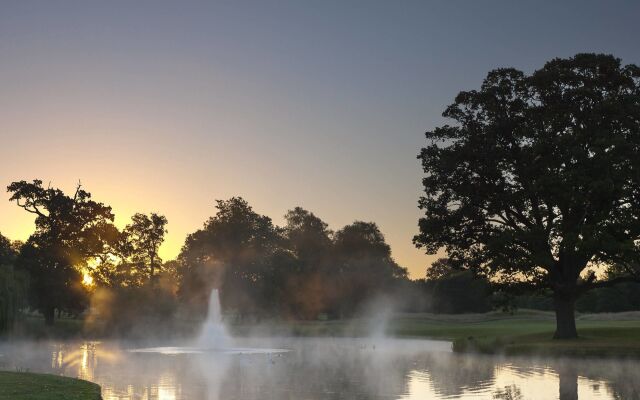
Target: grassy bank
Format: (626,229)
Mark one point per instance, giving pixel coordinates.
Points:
(525,332)
(28,386)
(530,332)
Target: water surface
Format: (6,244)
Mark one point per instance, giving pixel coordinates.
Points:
(315,369)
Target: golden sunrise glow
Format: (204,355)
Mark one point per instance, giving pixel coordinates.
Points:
(87,280)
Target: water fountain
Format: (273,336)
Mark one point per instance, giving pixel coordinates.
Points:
(214,334)
(213,337)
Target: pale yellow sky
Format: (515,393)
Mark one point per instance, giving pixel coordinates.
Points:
(109,153)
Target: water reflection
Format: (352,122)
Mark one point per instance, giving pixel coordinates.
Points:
(334,369)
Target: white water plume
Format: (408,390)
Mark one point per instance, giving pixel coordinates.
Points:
(214,334)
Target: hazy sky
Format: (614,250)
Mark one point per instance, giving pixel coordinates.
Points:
(167,106)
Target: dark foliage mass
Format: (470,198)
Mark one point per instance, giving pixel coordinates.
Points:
(69,231)
(459,293)
(12,284)
(538,179)
(302,270)
(75,236)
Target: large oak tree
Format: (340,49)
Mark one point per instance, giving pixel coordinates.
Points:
(70,230)
(537,180)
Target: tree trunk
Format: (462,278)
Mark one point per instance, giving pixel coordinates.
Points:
(49,314)
(153,269)
(565,317)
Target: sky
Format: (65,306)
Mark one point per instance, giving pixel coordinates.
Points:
(166,106)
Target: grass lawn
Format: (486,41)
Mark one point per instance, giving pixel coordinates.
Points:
(28,386)
(525,332)
(531,333)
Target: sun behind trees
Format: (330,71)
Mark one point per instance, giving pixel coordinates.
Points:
(70,230)
(302,270)
(75,234)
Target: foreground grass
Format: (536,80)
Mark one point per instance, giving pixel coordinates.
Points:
(28,386)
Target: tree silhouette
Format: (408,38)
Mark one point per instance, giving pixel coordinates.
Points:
(539,178)
(69,231)
(12,284)
(308,237)
(143,236)
(365,265)
(231,252)
(7,251)
(441,268)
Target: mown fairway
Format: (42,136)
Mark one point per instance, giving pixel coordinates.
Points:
(525,332)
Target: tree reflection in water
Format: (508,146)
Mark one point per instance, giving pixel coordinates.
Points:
(511,392)
(568,382)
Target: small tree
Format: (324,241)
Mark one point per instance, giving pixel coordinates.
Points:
(308,237)
(365,267)
(144,235)
(539,178)
(440,268)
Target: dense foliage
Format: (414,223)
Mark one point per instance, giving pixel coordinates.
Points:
(302,270)
(78,260)
(538,178)
(70,230)
(12,284)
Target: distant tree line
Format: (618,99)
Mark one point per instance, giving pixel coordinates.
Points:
(453,289)
(301,270)
(77,259)
(78,262)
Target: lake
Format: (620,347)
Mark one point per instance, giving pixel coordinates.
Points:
(322,368)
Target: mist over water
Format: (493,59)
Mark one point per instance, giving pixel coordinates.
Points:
(215,366)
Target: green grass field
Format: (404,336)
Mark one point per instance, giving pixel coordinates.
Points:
(28,386)
(530,332)
(525,332)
